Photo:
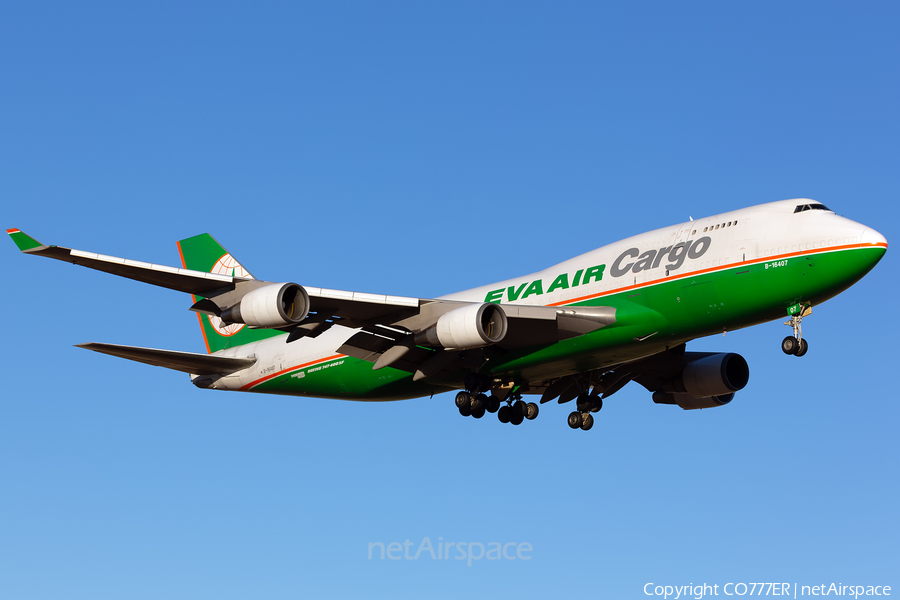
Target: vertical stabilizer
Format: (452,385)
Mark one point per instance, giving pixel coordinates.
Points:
(203,253)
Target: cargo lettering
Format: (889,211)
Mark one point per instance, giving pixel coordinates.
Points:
(651,259)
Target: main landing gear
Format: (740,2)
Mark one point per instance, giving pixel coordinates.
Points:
(795,344)
(582,418)
(515,410)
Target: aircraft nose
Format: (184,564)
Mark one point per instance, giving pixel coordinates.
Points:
(876,245)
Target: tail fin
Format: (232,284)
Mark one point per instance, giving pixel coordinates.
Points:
(203,253)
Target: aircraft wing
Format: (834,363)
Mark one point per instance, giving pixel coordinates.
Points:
(387,323)
(182,280)
(355,307)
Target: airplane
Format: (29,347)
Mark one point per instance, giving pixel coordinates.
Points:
(579,330)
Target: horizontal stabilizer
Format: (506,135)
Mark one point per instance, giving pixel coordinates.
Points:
(187,362)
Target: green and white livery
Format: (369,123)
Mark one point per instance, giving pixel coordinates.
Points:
(579,330)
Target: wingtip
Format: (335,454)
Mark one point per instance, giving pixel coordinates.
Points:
(22,240)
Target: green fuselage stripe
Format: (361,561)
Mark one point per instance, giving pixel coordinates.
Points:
(661,313)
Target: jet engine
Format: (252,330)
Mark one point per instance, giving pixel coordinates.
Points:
(275,305)
(714,375)
(688,402)
(470,326)
(706,382)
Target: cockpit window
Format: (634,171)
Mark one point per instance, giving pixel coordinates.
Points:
(805,207)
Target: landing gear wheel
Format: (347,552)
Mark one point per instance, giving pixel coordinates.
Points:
(493,404)
(790,345)
(804,346)
(574,420)
(583,402)
(596,404)
(519,408)
(504,413)
(463,399)
(478,412)
(587,421)
(479,402)
(516,418)
(465,410)
(531,411)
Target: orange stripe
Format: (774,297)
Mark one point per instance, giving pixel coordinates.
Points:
(296,368)
(181,255)
(712,269)
(11,231)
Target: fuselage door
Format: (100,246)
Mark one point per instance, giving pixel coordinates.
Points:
(684,232)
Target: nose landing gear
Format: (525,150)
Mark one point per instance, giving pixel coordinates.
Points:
(795,344)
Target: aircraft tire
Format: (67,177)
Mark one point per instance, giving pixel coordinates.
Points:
(596,404)
(789,345)
(493,404)
(504,413)
(531,411)
(465,411)
(516,418)
(478,412)
(587,421)
(519,408)
(479,402)
(804,347)
(463,399)
(574,420)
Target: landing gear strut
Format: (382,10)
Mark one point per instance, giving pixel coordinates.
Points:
(795,344)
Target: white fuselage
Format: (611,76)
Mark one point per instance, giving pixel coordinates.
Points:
(757,233)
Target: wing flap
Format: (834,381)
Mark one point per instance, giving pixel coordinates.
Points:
(186,362)
(359,308)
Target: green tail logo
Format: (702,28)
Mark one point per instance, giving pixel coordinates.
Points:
(203,253)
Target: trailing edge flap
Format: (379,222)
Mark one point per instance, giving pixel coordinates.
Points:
(538,325)
(187,362)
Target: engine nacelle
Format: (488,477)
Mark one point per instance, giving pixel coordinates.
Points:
(275,305)
(688,402)
(470,326)
(714,375)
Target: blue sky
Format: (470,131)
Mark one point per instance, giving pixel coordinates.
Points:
(418,149)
